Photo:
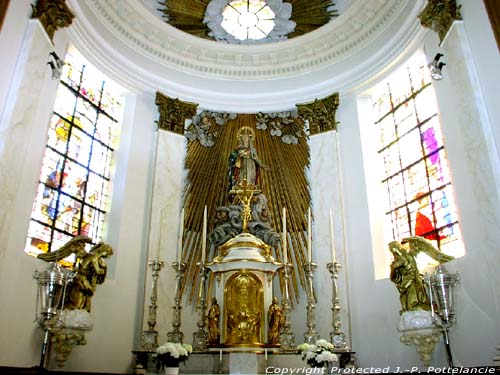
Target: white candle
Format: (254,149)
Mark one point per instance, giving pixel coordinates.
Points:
(220,355)
(332,239)
(204,235)
(265,354)
(178,255)
(285,255)
(160,220)
(309,236)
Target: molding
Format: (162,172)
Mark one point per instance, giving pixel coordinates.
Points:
(145,54)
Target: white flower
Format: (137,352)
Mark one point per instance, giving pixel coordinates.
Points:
(326,356)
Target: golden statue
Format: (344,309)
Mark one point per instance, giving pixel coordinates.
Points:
(405,273)
(275,317)
(213,324)
(90,271)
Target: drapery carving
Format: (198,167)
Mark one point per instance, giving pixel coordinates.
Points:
(320,114)
(438,15)
(173,113)
(53,14)
(284,184)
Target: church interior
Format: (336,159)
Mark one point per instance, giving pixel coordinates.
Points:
(259,186)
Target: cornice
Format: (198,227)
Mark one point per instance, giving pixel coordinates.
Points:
(146,54)
(133,24)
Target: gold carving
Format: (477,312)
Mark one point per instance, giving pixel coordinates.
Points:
(53,14)
(405,273)
(64,341)
(188,15)
(284,183)
(275,318)
(320,114)
(424,340)
(438,15)
(174,113)
(213,324)
(90,271)
(244,308)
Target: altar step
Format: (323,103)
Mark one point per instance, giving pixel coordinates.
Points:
(245,362)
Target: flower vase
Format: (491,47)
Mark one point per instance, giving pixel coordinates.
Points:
(171,370)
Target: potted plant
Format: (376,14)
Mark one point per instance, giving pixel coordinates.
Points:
(319,354)
(169,355)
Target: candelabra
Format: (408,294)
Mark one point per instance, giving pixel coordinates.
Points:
(176,335)
(200,337)
(441,285)
(149,339)
(287,338)
(311,336)
(337,337)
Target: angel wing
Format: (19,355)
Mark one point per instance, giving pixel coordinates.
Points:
(418,244)
(74,246)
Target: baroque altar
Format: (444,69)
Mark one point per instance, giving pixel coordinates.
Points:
(244,271)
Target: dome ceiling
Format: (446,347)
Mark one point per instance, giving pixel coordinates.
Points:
(129,40)
(199,17)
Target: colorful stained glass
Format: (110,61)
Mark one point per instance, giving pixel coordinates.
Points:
(417,178)
(72,196)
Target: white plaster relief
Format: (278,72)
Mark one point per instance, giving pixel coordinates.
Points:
(354,27)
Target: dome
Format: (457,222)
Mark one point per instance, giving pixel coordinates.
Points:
(144,53)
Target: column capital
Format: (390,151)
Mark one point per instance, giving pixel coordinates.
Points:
(173,113)
(53,14)
(320,113)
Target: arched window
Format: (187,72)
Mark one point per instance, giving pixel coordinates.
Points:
(416,178)
(73,190)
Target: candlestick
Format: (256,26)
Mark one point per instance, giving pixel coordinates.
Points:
(332,239)
(310,336)
(204,235)
(176,335)
(285,255)
(149,339)
(309,236)
(178,255)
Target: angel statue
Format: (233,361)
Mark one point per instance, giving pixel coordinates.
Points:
(90,270)
(405,274)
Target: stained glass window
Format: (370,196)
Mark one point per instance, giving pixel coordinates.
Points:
(416,176)
(73,191)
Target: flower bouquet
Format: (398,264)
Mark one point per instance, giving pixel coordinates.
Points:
(171,354)
(319,354)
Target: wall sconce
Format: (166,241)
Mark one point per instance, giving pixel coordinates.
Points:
(441,284)
(435,67)
(55,64)
(50,300)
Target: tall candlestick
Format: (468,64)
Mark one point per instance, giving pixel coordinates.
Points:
(309,236)
(204,235)
(178,255)
(332,239)
(285,255)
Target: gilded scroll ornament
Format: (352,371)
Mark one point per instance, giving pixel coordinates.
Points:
(320,114)
(438,15)
(174,113)
(53,14)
